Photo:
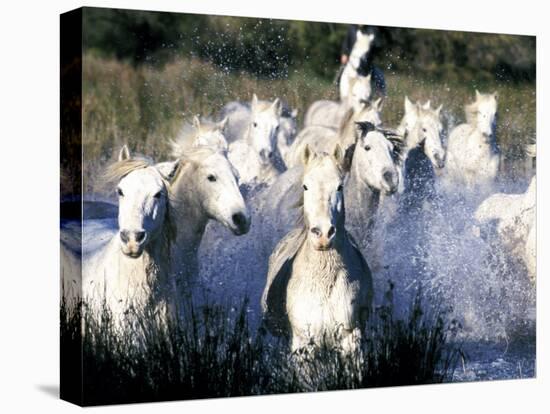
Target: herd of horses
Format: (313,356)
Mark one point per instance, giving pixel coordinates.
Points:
(327,189)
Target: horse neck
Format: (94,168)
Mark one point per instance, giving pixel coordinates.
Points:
(150,269)
(247,136)
(326,262)
(410,143)
(477,138)
(351,71)
(368,197)
(190,221)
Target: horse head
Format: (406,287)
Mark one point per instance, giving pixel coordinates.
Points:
(264,128)
(323,196)
(360,50)
(142,200)
(423,129)
(482,113)
(212,180)
(376,159)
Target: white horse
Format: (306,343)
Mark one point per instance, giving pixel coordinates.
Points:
(331,113)
(514,217)
(131,271)
(374,178)
(360,64)
(319,285)
(423,154)
(252,133)
(357,59)
(205,188)
(472,153)
(205,133)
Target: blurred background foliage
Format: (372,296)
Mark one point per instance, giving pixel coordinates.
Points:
(268,48)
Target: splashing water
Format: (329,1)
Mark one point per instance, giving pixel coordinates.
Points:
(431,247)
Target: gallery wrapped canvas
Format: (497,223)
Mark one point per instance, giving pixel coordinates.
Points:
(253,206)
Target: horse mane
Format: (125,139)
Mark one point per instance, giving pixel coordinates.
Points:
(189,134)
(198,154)
(120,169)
(191,157)
(398,142)
(262,105)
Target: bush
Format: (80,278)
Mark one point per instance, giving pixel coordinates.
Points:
(213,352)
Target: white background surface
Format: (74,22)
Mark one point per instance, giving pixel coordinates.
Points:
(29,150)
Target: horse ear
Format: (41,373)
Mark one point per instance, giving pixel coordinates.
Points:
(478,95)
(409,106)
(371,37)
(254,100)
(338,154)
(363,128)
(438,110)
(223,123)
(306,155)
(168,169)
(277,107)
(124,153)
(495,94)
(427,105)
(196,122)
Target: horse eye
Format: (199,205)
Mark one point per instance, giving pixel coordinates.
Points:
(254,124)
(424,130)
(211,178)
(367,147)
(157,195)
(339,188)
(305,187)
(119,192)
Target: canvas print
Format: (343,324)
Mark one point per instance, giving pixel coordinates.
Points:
(253,206)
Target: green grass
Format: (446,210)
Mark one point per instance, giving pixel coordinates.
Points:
(213,352)
(144,106)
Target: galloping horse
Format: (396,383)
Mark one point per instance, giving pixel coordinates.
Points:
(472,154)
(319,285)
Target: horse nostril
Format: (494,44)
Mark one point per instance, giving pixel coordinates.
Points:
(124,236)
(238,219)
(140,236)
(331,231)
(388,178)
(316,231)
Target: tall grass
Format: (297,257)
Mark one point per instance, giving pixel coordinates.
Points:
(213,352)
(145,106)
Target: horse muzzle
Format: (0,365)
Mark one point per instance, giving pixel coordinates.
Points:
(266,156)
(133,242)
(240,223)
(439,161)
(322,240)
(390,182)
